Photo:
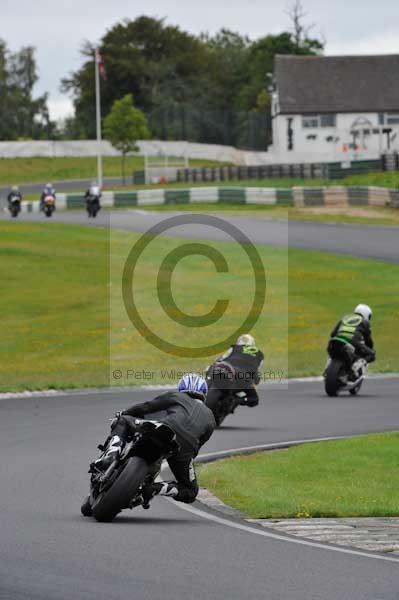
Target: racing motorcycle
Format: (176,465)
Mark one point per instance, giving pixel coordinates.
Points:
(48,205)
(14,206)
(93,205)
(342,376)
(221,398)
(120,486)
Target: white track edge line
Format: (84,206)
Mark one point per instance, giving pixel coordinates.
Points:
(233,524)
(261,447)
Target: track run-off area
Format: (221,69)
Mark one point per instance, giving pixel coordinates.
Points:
(49,552)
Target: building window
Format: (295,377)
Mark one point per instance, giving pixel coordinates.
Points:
(392,118)
(315,121)
(327,120)
(388,118)
(310,121)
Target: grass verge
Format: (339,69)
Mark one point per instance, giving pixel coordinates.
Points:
(366,215)
(56,304)
(41,169)
(357,477)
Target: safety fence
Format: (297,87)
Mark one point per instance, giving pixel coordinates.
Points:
(231,173)
(326,171)
(337,196)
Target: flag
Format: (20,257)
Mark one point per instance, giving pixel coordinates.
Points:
(100,63)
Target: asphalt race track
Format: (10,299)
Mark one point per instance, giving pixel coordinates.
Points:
(357,240)
(49,552)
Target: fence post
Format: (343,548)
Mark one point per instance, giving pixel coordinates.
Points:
(311,170)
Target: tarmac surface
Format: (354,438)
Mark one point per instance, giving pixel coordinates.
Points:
(364,241)
(49,552)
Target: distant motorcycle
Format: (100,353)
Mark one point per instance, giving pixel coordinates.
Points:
(221,398)
(93,205)
(339,376)
(48,205)
(14,206)
(119,487)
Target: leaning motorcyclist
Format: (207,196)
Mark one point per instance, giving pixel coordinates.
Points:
(351,338)
(245,361)
(14,194)
(48,190)
(185,413)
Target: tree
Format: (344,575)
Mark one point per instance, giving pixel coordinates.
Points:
(201,89)
(124,125)
(304,44)
(22,115)
(159,64)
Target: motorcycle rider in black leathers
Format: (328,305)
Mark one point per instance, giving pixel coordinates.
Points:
(14,193)
(246,360)
(193,423)
(93,191)
(351,338)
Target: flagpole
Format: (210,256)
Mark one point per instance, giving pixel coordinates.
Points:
(98,120)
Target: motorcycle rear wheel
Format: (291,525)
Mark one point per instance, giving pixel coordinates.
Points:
(108,504)
(331,381)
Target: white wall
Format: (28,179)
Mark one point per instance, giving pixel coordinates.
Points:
(151,147)
(321,150)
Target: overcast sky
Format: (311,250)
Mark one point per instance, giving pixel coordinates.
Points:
(348,26)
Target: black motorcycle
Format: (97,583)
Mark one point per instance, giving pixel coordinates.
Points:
(93,205)
(222,398)
(343,376)
(14,206)
(120,486)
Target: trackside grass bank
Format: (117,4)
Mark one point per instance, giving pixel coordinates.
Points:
(358,477)
(64,323)
(366,215)
(41,169)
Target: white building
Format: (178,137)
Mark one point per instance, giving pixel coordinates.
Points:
(334,108)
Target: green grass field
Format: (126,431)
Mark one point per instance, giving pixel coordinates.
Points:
(32,170)
(366,215)
(40,169)
(56,316)
(358,477)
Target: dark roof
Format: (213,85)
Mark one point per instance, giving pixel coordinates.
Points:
(320,84)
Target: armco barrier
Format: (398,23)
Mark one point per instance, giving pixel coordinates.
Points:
(301,197)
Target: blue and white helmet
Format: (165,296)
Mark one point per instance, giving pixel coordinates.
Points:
(193,384)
